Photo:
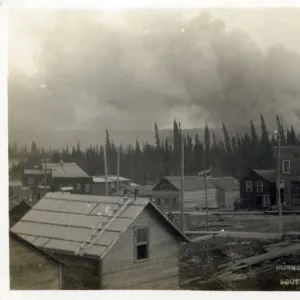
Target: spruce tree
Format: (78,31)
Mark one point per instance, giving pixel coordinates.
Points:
(293,138)
(266,148)
(157,139)
(207,147)
(226,138)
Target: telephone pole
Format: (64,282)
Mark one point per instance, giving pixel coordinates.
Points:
(118,173)
(105,170)
(278,174)
(182,185)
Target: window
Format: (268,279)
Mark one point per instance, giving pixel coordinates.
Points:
(286,168)
(87,188)
(141,243)
(266,200)
(248,186)
(78,187)
(260,186)
(158,202)
(30,181)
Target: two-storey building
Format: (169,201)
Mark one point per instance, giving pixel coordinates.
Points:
(258,189)
(290,173)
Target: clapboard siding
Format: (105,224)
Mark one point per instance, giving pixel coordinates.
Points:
(165,194)
(30,269)
(120,271)
(192,199)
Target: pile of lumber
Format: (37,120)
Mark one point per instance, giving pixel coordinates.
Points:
(273,251)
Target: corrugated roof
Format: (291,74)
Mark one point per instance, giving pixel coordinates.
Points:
(225,183)
(269,175)
(65,170)
(190,183)
(110,178)
(63,222)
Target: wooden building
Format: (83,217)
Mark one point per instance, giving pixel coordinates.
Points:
(258,189)
(166,194)
(99,184)
(290,173)
(59,175)
(137,247)
(228,190)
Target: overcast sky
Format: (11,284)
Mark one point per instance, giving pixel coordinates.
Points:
(124,70)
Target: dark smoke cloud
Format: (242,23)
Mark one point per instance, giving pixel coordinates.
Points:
(141,67)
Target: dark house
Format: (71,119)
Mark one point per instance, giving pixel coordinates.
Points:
(258,189)
(135,248)
(290,173)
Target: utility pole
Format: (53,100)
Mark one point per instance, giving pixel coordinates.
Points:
(105,170)
(118,173)
(45,170)
(182,185)
(278,174)
(204,176)
(206,201)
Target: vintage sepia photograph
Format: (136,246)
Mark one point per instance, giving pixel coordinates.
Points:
(154,149)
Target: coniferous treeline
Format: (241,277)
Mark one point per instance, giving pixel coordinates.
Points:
(147,163)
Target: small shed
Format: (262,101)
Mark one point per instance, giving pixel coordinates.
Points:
(228,190)
(166,193)
(99,184)
(135,247)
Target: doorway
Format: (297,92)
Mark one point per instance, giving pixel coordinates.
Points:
(259,202)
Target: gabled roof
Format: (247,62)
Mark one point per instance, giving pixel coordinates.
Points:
(190,183)
(225,183)
(62,222)
(65,170)
(269,175)
(18,212)
(61,170)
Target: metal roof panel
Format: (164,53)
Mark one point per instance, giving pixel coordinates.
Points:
(28,238)
(61,218)
(52,231)
(73,246)
(82,198)
(65,206)
(40,241)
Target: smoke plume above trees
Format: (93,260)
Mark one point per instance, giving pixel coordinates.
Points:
(125,70)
